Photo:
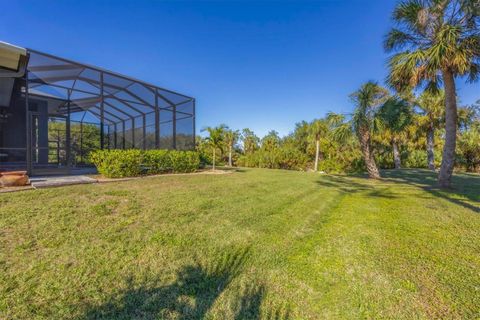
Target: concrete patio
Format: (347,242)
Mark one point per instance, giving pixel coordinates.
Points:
(58,181)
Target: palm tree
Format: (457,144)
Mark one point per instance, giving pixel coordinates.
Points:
(271,141)
(432,106)
(437,40)
(469,148)
(317,129)
(250,141)
(216,138)
(231,139)
(395,115)
(367,100)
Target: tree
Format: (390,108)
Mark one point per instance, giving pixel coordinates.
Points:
(216,138)
(395,115)
(231,139)
(300,136)
(431,105)
(469,140)
(271,141)
(469,148)
(437,41)
(250,141)
(317,129)
(367,100)
(468,116)
(346,152)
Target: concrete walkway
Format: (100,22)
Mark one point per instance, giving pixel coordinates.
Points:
(58,181)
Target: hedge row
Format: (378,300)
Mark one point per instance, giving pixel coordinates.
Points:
(131,163)
(280,158)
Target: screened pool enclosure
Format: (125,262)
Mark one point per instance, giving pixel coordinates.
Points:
(54,112)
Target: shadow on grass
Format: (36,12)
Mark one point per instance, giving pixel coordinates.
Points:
(227,168)
(249,306)
(191,296)
(466,187)
(347,185)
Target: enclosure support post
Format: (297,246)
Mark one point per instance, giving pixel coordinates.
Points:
(144,133)
(81,140)
(58,147)
(123,134)
(28,128)
(115,135)
(157,122)
(174,127)
(67,135)
(109,136)
(194,125)
(133,132)
(102,113)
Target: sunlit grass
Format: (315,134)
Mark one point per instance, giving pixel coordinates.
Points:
(253,244)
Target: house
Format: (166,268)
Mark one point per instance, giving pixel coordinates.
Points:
(54,112)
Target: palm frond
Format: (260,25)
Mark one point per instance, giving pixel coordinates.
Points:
(410,68)
(342,133)
(335,119)
(395,114)
(397,39)
(431,37)
(411,13)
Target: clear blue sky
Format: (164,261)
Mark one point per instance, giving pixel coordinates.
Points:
(263,65)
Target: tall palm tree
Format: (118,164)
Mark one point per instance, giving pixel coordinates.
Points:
(367,100)
(437,41)
(316,130)
(432,106)
(395,115)
(231,139)
(216,139)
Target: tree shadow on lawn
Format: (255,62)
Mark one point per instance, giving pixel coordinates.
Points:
(466,187)
(346,185)
(249,306)
(191,296)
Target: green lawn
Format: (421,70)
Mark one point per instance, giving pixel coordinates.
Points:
(266,244)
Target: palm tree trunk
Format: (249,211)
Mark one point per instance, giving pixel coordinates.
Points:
(368,156)
(214,158)
(317,152)
(396,155)
(430,146)
(470,163)
(448,159)
(230,156)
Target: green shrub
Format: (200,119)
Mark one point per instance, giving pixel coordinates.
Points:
(292,159)
(279,158)
(118,163)
(131,163)
(184,161)
(157,161)
(331,166)
(416,159)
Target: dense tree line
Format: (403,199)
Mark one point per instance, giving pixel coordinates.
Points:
(385,131)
